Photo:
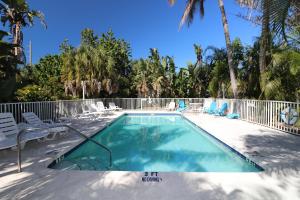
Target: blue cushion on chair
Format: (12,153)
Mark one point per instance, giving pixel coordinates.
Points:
(212,109)
(233,116)
(181,106)
(222,110)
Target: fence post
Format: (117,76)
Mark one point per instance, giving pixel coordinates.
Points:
(298,103)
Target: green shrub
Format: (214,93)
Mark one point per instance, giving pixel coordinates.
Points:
(32,93)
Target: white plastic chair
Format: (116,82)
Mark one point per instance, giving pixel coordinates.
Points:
(113,106)
(76,115)
(9,131)
(102,108)
(171,106)
(91,111)
(206,105)
(54,128)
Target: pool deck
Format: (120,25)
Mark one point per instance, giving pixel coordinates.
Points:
(277,152)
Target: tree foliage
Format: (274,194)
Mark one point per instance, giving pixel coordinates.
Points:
(155,76)
(17,14)
(99,64)
(8,68)
(42,81)
(103,65)
(14,15)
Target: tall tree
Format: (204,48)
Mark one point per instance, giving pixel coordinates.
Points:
(68,69)
(18,15)
(189,16)
(265,36)
(8,68)
(198,52)
(100,63)
(275,15)
(8,60)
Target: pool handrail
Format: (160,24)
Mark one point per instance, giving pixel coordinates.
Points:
(19,149)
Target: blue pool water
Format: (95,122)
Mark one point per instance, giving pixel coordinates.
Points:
(159,143)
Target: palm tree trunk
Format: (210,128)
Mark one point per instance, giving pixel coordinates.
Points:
(17,38)
(264,45)
(264,37)
(229,50)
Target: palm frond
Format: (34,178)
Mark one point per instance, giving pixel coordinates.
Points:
(188,12)
(39,15)
(251,4)
(277,12)
(278,15)
(201,2)
(3,34)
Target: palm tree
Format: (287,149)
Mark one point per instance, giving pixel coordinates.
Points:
(189,16)
(8,63)
(169,74)
(263,5)
(141,78)
(265,36)
(273,19)
(8,60)
(18,15)
(198,52)
(68,69)
(198,74)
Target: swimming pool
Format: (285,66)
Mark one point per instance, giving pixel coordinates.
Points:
(155,143)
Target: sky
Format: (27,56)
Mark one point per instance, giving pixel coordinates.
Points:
(144,24)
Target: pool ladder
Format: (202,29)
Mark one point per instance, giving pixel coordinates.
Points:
(67,126)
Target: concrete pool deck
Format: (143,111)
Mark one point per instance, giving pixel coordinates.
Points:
(277,152)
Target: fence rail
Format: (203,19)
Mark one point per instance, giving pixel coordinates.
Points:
(265,113)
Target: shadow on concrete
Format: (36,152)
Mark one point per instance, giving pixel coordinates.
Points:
(276,151)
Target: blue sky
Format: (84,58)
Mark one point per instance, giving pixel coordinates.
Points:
(144,24)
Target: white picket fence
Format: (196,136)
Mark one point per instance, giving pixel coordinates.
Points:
(265,113)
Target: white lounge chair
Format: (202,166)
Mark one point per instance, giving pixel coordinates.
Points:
(113,106)
(206,105)
(102,108)
(9,131)
(171,106)
(54,128)
(92,111)
(86,110)
(74,114)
